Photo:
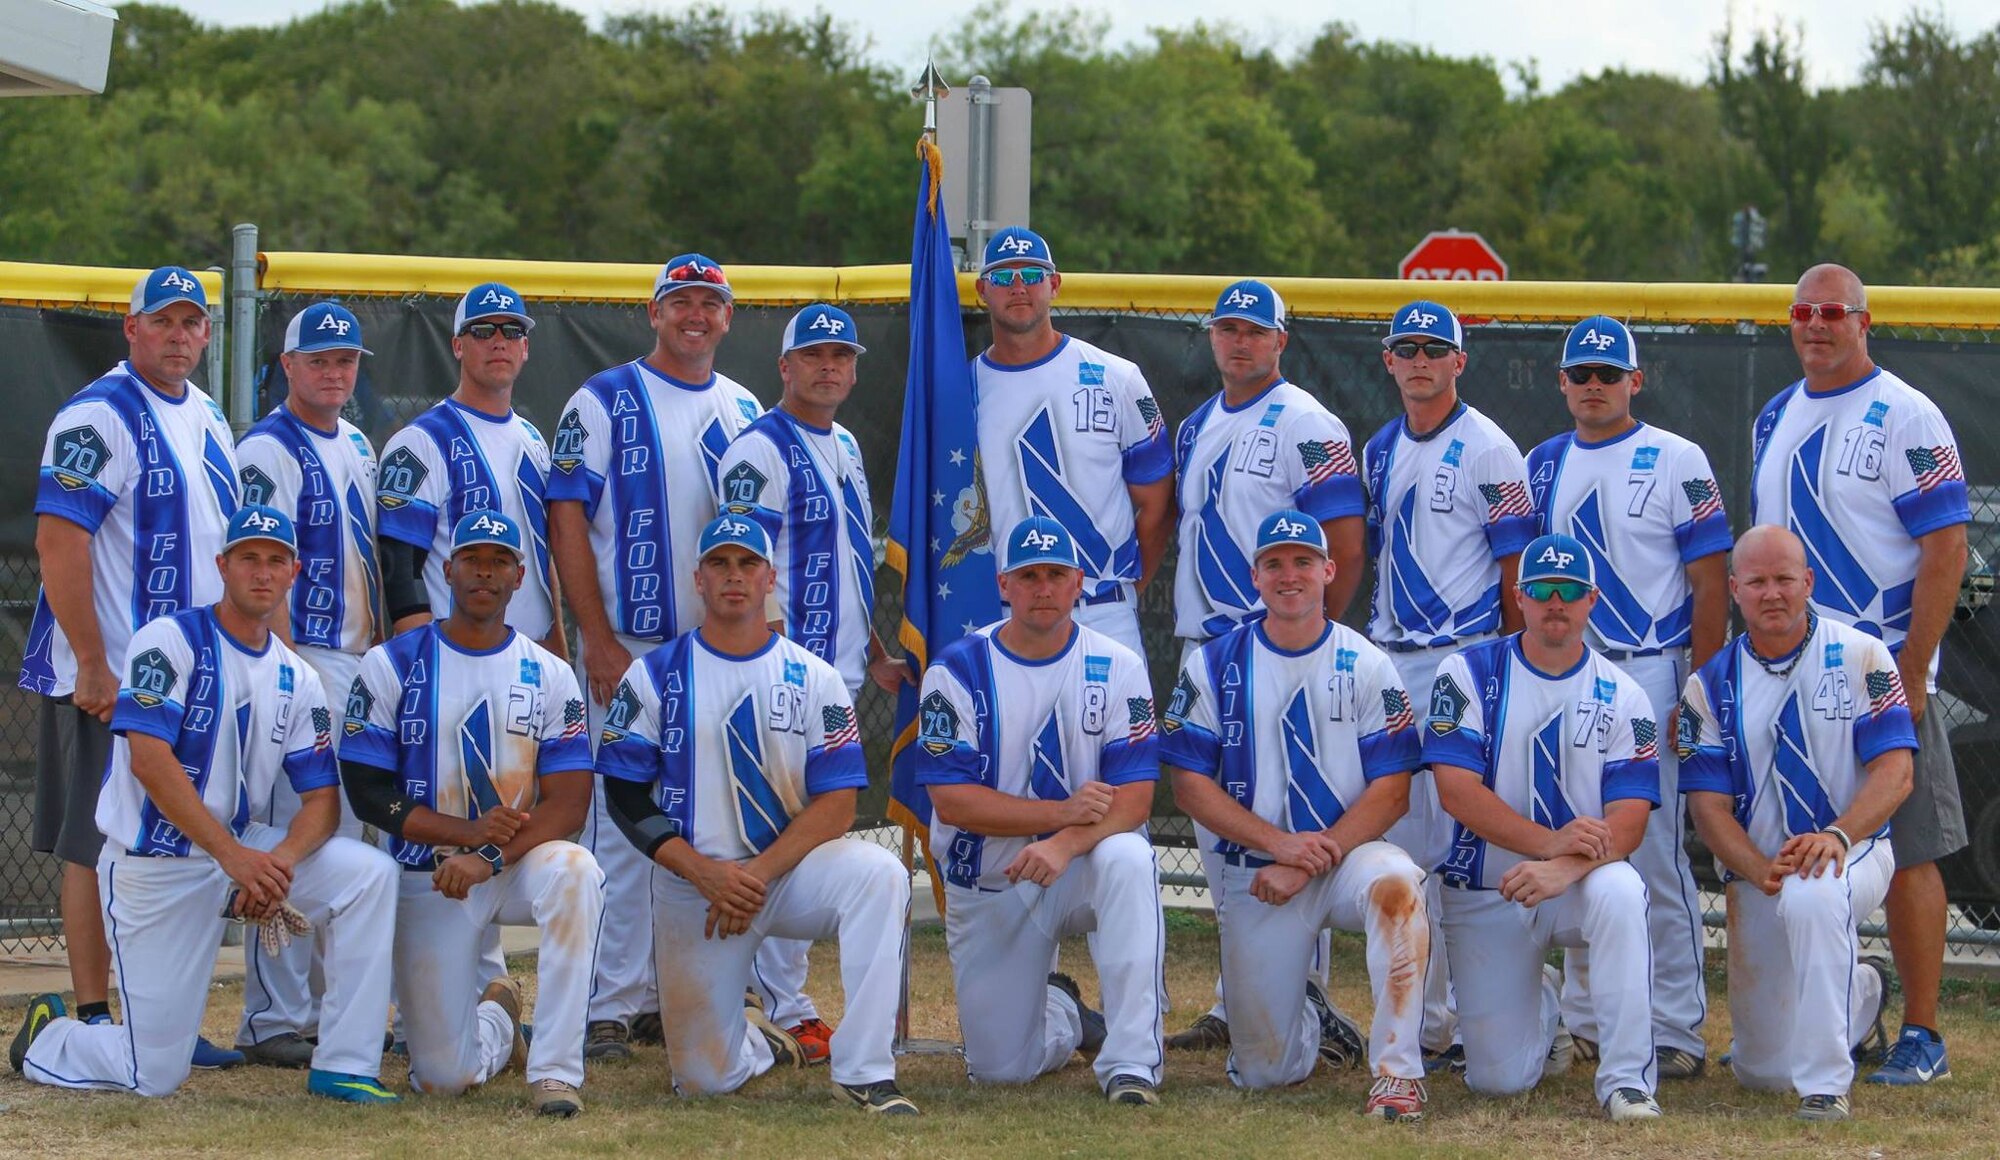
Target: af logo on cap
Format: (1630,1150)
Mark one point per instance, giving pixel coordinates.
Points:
(1420,317)
(1286,527)
(1016,244)
(490,524)
(1597,339)
(1237,296)
(174,281)
(1554,555)
(493,297)
(260,523)
(1036,540)
(828,323)
(333,322)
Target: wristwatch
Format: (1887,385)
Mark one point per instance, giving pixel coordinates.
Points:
(493,857)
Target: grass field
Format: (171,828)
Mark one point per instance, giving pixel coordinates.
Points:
(259,1112)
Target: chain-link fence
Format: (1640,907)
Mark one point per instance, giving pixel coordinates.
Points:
(1706,382)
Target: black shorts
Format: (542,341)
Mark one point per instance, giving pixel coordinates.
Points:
(74,751)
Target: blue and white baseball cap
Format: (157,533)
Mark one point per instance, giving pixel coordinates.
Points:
(691,271)
(1600,340)
(1253,302)
(254,521)
(1426,319)
(491,300)
(738,528)
(1556,557)
(1039,540)
(166,286)
(1290,526)
(1017,246)
(323,326)
(487,527)
(818,325)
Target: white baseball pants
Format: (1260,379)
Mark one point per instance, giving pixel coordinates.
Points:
(1673,904)
(1274,1037)
(456,1041)
(1425,834)
(163,919)
(1497,949)
(847,889)
(1016,1026)
(1798,1001)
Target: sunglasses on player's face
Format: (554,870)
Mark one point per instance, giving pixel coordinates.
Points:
(1026,275)
(1431,350)
(1831,311)
(1570,591)
(481,331)
(1603,374)
(695,274)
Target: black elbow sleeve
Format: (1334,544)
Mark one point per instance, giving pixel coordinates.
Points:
(403,591)
(637,815)
(375,796)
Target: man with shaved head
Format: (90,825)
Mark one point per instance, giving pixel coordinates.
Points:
(1796,746)
(1863,469)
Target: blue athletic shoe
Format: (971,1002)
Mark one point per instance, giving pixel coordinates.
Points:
(1916,1058)
(42,1010)
(209,1057)
(350,1089)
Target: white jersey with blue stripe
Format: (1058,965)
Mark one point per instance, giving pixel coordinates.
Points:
(1646,505)
(1064,437)
(1859,473)
(153,479)
(235,719)
(325,480)
(733,747)
(639,451)
(1553,747)
(1295,737)
(808,489)
(1443,510)
(452,460)
(1234,467)
(463,731)
(1791,751)
(1032,729)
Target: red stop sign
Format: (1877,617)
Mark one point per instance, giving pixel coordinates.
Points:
(1450,256)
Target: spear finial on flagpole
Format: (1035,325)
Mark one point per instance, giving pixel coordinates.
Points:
(930,89)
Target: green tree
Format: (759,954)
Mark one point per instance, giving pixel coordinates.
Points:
(1929,111)
(1790,129)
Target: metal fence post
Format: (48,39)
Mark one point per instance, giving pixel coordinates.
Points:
(979,170)
(242,292)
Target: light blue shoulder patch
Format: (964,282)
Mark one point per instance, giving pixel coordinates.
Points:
(531,672)
(1834,649)
(1645,458)
(1877,411)
(1096,668)
(1454,453)
(1271,414)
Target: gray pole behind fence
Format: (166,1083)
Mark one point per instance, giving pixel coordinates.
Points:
(242,292)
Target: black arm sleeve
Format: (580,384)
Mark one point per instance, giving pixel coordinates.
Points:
(638,816)
(375,796)
(403,590)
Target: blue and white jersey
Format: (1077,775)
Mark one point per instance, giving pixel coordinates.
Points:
(1064,437)
(1293,737)
(1859,473)
(1791,751)
(464,732)
(153,479)
(1646,505)
(452,460)
(236,720)
(1443,510)
(640,451)
(324,480)
(1554,747)
(1033,729)
(732,746)
(810,493)
(1234,466)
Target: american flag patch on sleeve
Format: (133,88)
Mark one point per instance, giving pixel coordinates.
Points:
(1508,498)
(1140,710)
(1325,458)
(1934,465)
(1396,712)
(1703,497)
(1645,739)
(1885,692)
(1149,410)
(838,722)
(575,720)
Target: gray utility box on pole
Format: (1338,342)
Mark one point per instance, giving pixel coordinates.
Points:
(985,135)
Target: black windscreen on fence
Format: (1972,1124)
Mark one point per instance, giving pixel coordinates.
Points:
(1706,383)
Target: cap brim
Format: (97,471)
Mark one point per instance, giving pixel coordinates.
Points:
(325,346)
(1597,361)
(1043,263)
(659,292)
(1253,319)
(714,548)
(523,319)
(856,347)
(1425,334)
(156,307)
(519,555)
(1320,548)
(1029,563)
(242,540)
(1590,584)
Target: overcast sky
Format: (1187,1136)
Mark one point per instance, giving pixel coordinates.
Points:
(1564,38)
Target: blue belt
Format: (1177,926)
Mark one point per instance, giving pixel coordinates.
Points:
(1251,861)
(1407,646)
(1113,595)
(1619,654)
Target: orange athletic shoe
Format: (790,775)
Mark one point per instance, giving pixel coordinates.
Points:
(816,1038)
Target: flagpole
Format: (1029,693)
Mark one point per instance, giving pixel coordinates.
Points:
(929,89)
